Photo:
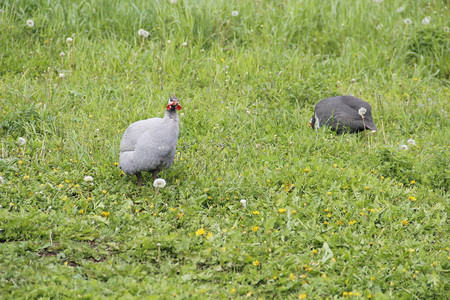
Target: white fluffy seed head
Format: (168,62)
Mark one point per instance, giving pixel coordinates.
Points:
(62,54)
(426,21)
(62,75)
(21,141)
(143,33)
(362,111)
(69,40)
(407,21)
(411,142)
(184,44)
(243,202)
(30,23)
(2,180)
(234,13)
(159,183)
(88,178)
(404,147)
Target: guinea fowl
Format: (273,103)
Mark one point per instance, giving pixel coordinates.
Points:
(149,145)
(343,114)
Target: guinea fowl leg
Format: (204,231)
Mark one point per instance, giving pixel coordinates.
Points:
(138,176)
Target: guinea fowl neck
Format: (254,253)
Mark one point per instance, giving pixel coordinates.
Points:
(171,114)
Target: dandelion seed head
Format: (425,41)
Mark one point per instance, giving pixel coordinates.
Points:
(362,111)
(404,147)
(30,23)
(69,40)
(234,13)
(143,33)
(184,44)
(243,202)
(411,142)
(353,80)
(400,9)
(21,141)
(62,54)
(88,178)
(62,75)
(426,21)
(159,183)
(407,21)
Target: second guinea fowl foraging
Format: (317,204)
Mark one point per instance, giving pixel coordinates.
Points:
(149,145)
(343,114)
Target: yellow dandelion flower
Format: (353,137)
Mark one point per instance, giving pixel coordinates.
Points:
(292,276)
(307,170)
(255,228)
(233,291)
(105,214)
(172,209)
(325,222)
(412,198)
(282,210)
(104,192)
(302,296)
(200,231)
(268,180)
(404,222)
(208,235)
(81,211)
(116,164)
(20,162)
(415,79)
(180,215)
(255,212)
(352,222)
(334,165)
(369,296)
(345,294)
(323,275)
(328,215)
(329,193)
(293,212)
(256,263)
(315,251)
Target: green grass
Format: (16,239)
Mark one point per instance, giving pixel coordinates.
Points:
(327,216)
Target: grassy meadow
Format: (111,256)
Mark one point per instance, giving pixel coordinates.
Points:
(362,216)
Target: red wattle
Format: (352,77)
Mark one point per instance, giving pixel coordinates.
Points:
(178,107)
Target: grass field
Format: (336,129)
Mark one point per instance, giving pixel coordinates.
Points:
(326,216)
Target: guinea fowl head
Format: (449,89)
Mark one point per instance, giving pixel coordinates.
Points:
(173,103)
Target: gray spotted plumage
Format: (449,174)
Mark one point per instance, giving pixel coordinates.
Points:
(342,114)
(150,145)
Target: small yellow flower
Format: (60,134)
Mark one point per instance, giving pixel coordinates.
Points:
(334,165)
(20,162)
(219,179)
(292,276)
(293,212)
(60,185)
(116,164)
(369,296)
(302,296)
(328,215)
(268,180)
(26,177)
(172,209)
(367,188)
(404,222)
(307,170)
(412,198)
(415,79)
(255,228)
(233,291)
(208,235)
(345,294)
(81,211)
(180,215)
(105,214)
(67,181)
(200,231)
(256,212)
(282,210)
(104,192)
(352,222)
(323,275)
(64,198)
(256,263)
(325,222)
(315,251)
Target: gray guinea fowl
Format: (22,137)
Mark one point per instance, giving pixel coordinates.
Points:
(150,145)
(342,114)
